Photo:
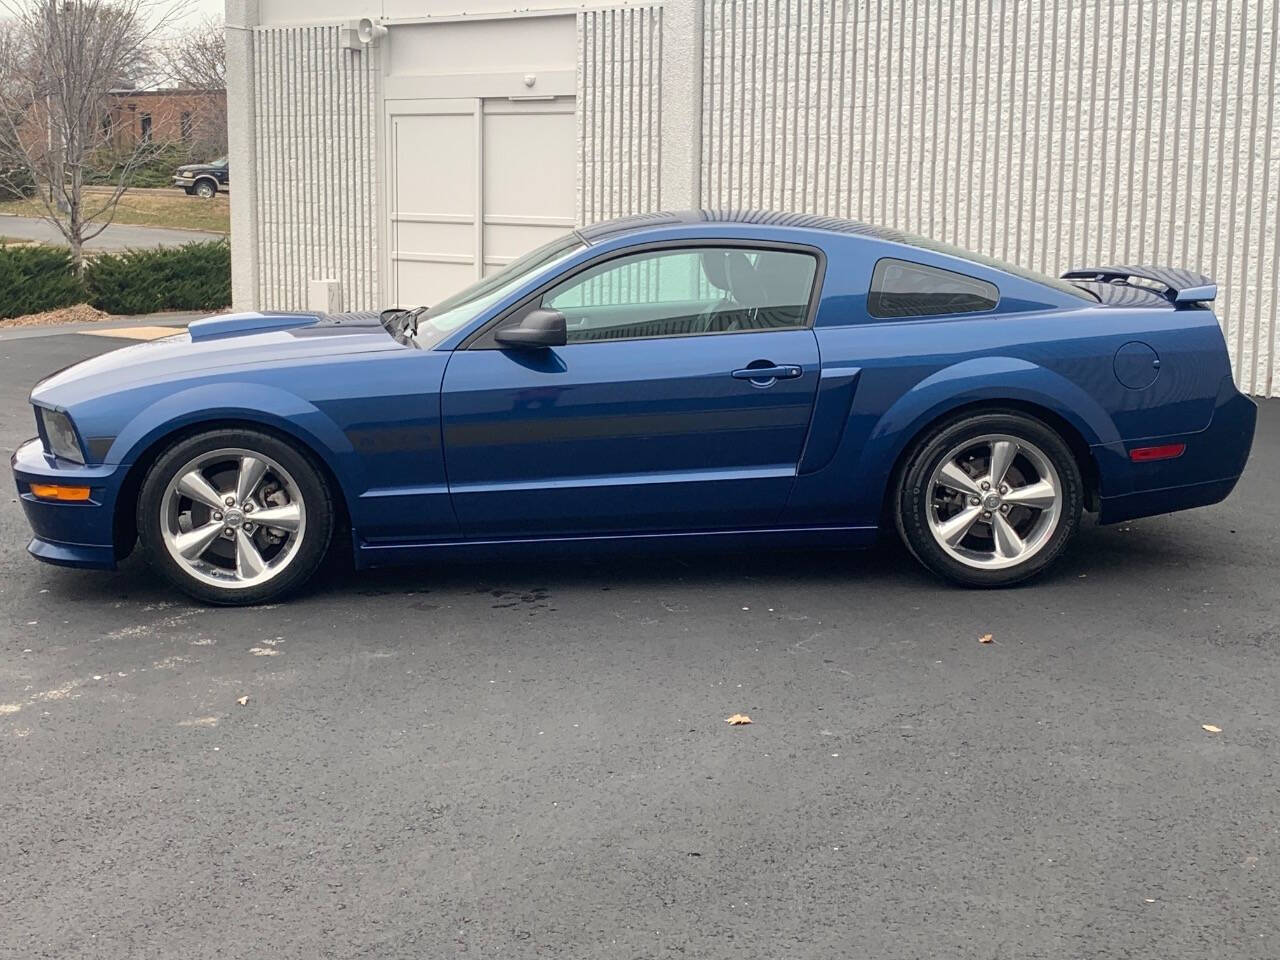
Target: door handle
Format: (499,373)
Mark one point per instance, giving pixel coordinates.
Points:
(761,374)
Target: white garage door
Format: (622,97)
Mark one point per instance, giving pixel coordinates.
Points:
(473,185)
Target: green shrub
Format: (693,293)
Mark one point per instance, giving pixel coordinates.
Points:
(157,170)
(35,279)
(195,276)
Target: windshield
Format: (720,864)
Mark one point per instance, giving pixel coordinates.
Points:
(448,315)
(220,162)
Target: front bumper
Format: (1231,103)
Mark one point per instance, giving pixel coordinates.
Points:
(70,534)
(184,181)
(1206,473)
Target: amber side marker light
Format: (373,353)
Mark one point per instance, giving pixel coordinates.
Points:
(1165,451)
(53,491)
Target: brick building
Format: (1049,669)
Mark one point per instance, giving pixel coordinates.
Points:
(195,118)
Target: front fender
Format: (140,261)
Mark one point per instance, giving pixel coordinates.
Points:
(254,402)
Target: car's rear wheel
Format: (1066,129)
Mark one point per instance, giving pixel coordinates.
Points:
(990,499)
(235,516)
(206,189)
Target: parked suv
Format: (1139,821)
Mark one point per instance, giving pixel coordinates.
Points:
(202,179)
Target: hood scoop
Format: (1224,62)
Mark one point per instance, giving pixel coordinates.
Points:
(238,324)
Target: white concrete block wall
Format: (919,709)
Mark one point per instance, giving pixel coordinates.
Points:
(619,107)
(317,213)
(242,17)
(1053,133)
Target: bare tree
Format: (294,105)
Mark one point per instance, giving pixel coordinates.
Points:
(59,62)
(195,58)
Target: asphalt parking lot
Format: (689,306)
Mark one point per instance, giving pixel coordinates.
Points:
(529,759)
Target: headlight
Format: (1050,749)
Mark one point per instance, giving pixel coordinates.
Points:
(60,435)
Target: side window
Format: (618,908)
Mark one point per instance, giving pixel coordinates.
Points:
(903,289)
(686,292)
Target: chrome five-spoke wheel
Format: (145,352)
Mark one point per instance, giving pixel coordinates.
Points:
(994,501)
(989,498)
(232,518)
(235,515)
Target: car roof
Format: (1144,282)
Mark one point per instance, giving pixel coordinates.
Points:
(612,229)
(597,232)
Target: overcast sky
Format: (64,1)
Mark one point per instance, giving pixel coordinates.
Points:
(199,9)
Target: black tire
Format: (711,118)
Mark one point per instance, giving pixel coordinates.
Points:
(317,500)
(206,189)
(913,498)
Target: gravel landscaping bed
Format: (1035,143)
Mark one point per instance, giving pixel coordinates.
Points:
(79,313)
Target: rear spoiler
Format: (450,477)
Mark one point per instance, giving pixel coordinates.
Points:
(1180,286)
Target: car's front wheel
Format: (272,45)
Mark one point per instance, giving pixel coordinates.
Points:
(206,189)
(989,499)
(235,516)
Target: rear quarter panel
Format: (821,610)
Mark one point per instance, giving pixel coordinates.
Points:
(1039,348)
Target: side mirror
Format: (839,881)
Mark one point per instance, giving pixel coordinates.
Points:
(540,328)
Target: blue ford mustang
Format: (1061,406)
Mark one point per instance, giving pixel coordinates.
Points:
(701,377)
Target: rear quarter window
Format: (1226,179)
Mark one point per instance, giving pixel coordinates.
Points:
(900,288)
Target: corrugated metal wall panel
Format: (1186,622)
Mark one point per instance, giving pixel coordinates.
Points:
(316,167)
(619,112)
(1053,133)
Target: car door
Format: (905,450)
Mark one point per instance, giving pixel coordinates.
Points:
(680,401)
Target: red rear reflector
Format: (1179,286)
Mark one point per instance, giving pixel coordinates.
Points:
(53,491)
(1166,451)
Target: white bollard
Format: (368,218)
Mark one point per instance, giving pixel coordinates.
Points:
(324,296)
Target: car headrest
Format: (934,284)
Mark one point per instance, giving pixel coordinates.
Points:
(744,286)
(715,269)
(780,282)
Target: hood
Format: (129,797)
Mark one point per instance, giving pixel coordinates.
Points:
(224,343)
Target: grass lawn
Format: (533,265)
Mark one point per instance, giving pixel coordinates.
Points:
(161,207)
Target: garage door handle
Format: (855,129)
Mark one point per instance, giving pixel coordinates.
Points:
(786,372)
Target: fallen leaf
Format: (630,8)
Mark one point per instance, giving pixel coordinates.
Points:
(242,700)
(737,720)
(1210,728)
(986,638)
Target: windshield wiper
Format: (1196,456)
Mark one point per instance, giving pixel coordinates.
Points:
(403,324)
(411,319)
